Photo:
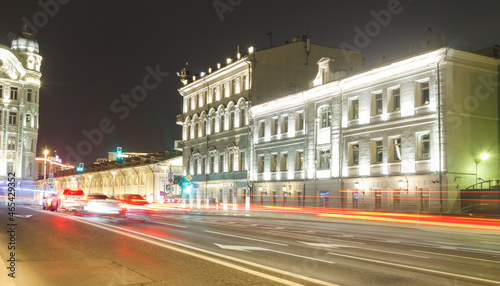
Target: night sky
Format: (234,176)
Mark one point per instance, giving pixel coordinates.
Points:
(96,51)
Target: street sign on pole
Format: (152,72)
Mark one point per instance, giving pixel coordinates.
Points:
(170,175)
(51,175)
(170,180)
(189,177)
(50,180)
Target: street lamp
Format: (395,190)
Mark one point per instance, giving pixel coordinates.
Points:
(45,152)
(483,157)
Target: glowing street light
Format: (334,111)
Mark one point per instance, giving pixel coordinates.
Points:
(483,157)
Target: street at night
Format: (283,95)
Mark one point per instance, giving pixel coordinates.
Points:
(178,248)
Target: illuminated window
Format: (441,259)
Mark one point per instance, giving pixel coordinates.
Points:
(221,163)
(299,121)
(377,104)
(215,94)
(12,118)
(13,93)
(262,129)
(193,103)
(353,154)
(284,162)
(244,83)
(11,143)
(284,124)
(299,160)
(395,102)
(395,149)
(424,148)
(324,159)
(354,109)
(29,95)
(274,162)
(325,114)
(203,165)
(260,164)
(243,162)
(423,96)
(231,162)
(274,126)
(212,164)
(377,151)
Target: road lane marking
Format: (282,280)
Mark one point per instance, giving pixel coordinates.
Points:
(328,245)
(256,248)
(244,237)
(169,224)
(450,243)
(143,237)
(458,256)
(23,216)
(418,268)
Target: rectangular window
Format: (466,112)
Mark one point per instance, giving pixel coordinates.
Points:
(284,162)
(200,100)
(262,129)
(231,162)
(204,129)
(215,94)
(354,154)
(11,143)
(377,151)
(1,91)
(36,96)
(425,146)
(12,118)
(231,120)
(424,92)
(212,164)
(10,167)
(244,83)
(243,118)
(29,95)
(221,163)
(30,169)
(396,149)
(203,166)
(28,120)
(325,114)
(299,121)
(324,159)
(260,164)
(274,161)
(243,162)
(396,99)
(284,124)
(299,160)
(354,110)
(274,126)
(13,93)
(224,90)
(222,123)
(233,87)
(195,166)
(195,135)
(377,104)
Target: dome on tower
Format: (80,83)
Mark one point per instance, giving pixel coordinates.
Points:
(25,42)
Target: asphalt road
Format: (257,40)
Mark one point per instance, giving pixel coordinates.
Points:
(180,249)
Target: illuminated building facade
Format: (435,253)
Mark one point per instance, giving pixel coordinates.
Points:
(216,124)
(404,136)
(19,101)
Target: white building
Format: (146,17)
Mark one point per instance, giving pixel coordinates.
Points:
(215,119)
(404,136)
(19,93)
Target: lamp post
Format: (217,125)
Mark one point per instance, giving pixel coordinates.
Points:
(45,152)
(483,157)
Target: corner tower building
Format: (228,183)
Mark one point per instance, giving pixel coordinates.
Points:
(19,100)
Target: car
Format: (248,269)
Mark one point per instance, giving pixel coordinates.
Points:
(69,199)
(47,201)
(136,207)
(101,205)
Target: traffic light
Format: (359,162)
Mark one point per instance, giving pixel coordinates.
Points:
(119,154)
(80,168)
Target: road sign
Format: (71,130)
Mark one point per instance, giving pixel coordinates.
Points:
(169,188)
(170,180)
(51,175)
(189,177)
(170,175)
(50,180)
